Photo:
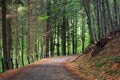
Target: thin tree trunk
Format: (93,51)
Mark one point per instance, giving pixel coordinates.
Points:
(73,37)
(58,39)
(28,6)
(104,18)
(83,34)
(76,21)
(99,18)
(22,46)
(110,24)
(16,48)
(48,26)
(116,12)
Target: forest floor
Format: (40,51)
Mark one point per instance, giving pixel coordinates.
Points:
(46,69)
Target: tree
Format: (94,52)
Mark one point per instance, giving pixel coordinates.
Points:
(86,4)
(63,28)
(116,13)
(6,54)
(31,31)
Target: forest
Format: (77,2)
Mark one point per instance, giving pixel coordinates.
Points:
(89,30)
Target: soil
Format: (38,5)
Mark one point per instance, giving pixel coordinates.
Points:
(46,69)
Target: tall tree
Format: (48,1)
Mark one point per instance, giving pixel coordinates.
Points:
(6,54)
(86,4)
(83,33)
(63,30)
(116,14)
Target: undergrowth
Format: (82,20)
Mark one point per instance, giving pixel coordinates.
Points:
(108,61)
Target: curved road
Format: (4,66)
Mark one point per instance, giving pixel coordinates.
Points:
(51,69)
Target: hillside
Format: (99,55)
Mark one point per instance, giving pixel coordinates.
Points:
(101,61)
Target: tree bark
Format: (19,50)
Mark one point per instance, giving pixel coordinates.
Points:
(86,4)
(116,12)
(6,46)
(64,29)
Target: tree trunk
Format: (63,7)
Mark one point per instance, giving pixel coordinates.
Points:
(58,39)
(109,17)
(48,28)
(83,34)
(6,36)
(9,38)
(22,46)
(16,47)
(116,12)
(64,29)
(28,57)
(86,4)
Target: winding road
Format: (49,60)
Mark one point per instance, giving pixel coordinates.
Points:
(49,69)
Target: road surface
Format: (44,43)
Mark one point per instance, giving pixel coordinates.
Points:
(50,69)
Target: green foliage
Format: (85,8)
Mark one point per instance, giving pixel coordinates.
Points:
(41,18)
(19,2)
